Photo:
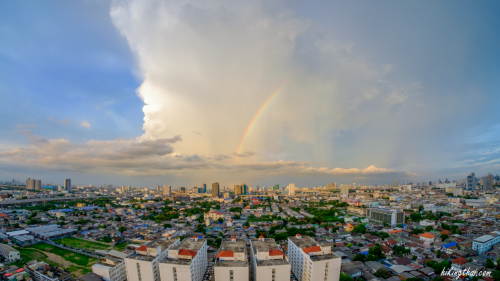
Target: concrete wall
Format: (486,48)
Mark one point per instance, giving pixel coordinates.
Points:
(265,273)
(239,273)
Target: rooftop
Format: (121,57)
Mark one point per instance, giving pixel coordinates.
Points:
(186,247)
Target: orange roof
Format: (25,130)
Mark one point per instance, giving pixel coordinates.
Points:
(427,235)
(276,253)
(312,249)
(460,261)
(184,252)
(298,235)
(142,248)
(3,215)
(261,236)
(349,224)
(225,254)
(395,231)
(233,237)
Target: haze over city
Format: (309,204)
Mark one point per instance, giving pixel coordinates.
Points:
(147,93)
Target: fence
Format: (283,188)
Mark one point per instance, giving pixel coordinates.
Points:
(77,250)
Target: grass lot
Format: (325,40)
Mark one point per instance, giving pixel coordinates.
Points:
(121,246)
(82,244)
(70,256)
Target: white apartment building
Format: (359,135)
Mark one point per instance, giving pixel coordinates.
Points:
(9,253)
(142,265)
(231,263)
(213,215)
(291,189)
(312,261)
(486,242)
(269,262)
(187,261)
(112,266)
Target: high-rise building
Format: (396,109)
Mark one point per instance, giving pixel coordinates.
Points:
(311,260)
(204,186)
(231,262)
(182,189)
(471,181)
(38,184)
(344,189)
(268,260)
(390,216)
(488,182)
(332,185)
(167,190)
(67,184)
(291,189)
(125,188)
(28,184)
(244,189)
(112,266)
(142,265)
(186,261)
(395,183)
(276,187)
(237,190)
(215,189)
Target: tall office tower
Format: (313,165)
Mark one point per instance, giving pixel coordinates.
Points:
(167,190)
(142,264)
(28,183)
(354,186)
(276,187)
(331,185)
(268,260)
(291,189)
(38,184)
(395,183)
(215,189)
(488,182)
(311,260)
(344,189)
(257,188)
(231,262)
(125,188)
(182,189)
(471,181)
(237,190)
(186,261)
(244,189)
(67,184)
(204,186)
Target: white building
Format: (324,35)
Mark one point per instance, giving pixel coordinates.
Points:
(41,271)
(9,253)
(427,223)
(486,242)
(312,261)
(213,215)
(269,262)
(112,266)
(142,265)
(291,189)
(187,261)
(231,263)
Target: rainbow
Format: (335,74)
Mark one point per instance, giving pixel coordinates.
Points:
(252,123)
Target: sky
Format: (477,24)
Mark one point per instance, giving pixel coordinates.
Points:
(152,92)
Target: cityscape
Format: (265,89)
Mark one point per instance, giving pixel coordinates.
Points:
(230,140)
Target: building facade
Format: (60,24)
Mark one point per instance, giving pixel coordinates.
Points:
(67,184)
(291,189)
(9,253)
(231,262)
(486,242)
(112,266)
(187,261)
(313,261)
(471,181)
(215,189)
(269,262)
(390,216)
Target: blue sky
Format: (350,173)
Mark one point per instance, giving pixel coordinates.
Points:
(408,87)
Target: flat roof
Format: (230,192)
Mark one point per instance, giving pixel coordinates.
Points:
(484,238)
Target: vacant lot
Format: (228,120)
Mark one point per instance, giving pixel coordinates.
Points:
(69,256)
(82,244)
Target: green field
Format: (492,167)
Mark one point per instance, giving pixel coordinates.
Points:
(82,244)
(70,256)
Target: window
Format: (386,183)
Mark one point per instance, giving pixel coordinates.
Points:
(274,274)
(175,274)
(139,272)
(326,270)
(231,275)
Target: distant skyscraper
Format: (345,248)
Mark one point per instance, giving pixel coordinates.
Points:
(471,181)
(204,186)
(215,189)
(237,190)
(395,183)
(167,190)
(38,184)
(332,185)
(67,184)
(291,189)
(28,184)
(488,182)
(276,187)
(344,189)
(182,189)
(244,189)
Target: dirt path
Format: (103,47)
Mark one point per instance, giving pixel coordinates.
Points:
(64,263)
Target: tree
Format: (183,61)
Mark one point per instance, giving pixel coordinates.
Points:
(420,208)
(359,257)
(349,245)
(220,220)
(438,253)
(118,218)
(360,228)
(360,244)
(122,229)
(417,231)
(489,264)
(428,228)
(345,277)
(382,273)
(444,237)
(496,275)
